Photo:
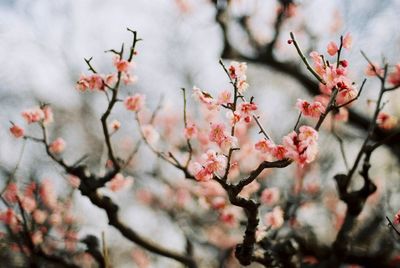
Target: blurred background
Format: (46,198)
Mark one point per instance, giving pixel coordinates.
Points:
(43,44)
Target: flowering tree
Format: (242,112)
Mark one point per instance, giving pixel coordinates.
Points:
(222,154)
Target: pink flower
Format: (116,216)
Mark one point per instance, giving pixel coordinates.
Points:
(119,182)
(332,48)
(224,97)
(302,147)
(28,204)
(135,103)
(39,216)
(9,217)
(33,115)
(264,146)
(95,82)
(396,219)
(217,133)
(190,131)
(47,194)
(313,109)
(237,70)
(347,41)
(17,131)
(246,109)
(82,84)
(229,216)
(121,64)
(279,152)
(205,98)
(386,121)
(11,193)
(274,218)
(110,79)
(57,146)
(200,173)
(242,86)
(394,77)
(228,142)
(150,134)
(129,79)
(48,115)
(270,196)
(214,162)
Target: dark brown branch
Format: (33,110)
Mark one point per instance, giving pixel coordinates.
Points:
(112,213)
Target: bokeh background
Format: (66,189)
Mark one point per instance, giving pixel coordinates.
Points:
(43,44)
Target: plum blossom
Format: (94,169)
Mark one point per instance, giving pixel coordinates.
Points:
(394,77)
(150,134)
(347,41)
(121,65)
(279,152)
(48,114)
(211,163)
(313,109)
(119,182)
(224,97)
(264,146)
(386,121)
(237,72)
(221,137)
(135,103)
(302,147)
(190,131)
(270,196)
(39,216)
(229,216)
(128,78)
(11,193)
(17,131)
(47,194)
(332,48)
(274,219)
(246,109)
(33,115)
(28,203)
(217,133)
(57,146)
(205,98)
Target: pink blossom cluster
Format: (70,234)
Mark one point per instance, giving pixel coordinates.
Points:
(335,77)
(43,214)
(301,147)
(237,72)
(210,164)
(42,115)
(99,82)
(220,136)
(135,103)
